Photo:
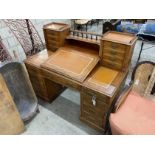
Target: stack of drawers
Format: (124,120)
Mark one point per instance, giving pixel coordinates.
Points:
(55,34)
(115,55)
(117,49)
(94,110)
(95,105)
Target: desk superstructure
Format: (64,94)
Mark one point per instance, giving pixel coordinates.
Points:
(94,65)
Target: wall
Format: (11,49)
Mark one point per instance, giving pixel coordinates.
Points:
(12,43)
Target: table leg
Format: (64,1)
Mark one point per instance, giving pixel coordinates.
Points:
(140,51)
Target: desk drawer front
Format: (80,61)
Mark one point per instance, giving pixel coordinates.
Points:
(53,43)
(113,45)
(87,99)
(90,93)
(112,64)
(52,32)
(89,118)
(93,111)
(113,52)
(115,58)
(52,48)
(53,37)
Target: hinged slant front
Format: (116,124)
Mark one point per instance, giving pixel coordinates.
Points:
(71,63)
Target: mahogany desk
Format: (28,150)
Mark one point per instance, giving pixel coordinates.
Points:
(48,85)
(96,68)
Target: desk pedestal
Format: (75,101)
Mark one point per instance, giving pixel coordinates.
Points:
(43,87)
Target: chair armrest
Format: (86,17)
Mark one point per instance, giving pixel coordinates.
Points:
(122,97)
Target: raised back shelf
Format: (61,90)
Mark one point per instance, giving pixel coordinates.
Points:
(85,36)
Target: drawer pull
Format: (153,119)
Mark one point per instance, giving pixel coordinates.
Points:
(94,100)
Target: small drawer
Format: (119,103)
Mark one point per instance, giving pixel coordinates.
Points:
(112,64)
(113,45)
(115,58)
(91,92)
(97,121)
(54,43)
(113,52)
(52,48)
(51,32)
(93,102)
(92,111)
(53,37)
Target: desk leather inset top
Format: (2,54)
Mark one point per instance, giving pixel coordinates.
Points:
(71,63)
(102,79)
(103,76)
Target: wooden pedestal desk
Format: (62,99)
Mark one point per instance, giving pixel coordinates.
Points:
(82,64)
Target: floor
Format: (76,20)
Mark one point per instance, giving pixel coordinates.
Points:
(61,117)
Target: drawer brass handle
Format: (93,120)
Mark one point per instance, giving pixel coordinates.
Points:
(94,100)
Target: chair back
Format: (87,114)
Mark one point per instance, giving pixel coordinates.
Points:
(142,78)
(26,34)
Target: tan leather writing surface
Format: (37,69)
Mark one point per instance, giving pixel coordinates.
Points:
(103,76)
(69,62)
(101,80)
(73,64)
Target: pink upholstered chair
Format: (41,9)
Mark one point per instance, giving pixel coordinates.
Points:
(135,108)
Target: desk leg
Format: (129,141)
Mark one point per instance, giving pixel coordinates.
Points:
(140,51)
